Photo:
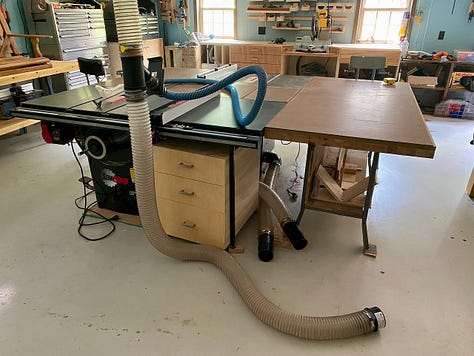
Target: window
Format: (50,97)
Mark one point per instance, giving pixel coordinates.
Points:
(217,17)
(382,21)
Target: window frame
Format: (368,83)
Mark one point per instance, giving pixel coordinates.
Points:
(360,16)
(200,24)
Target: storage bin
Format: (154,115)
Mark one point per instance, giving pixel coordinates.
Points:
(464,55)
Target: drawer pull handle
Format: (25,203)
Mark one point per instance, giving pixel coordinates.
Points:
(186,165)
(189,194)
(188,224)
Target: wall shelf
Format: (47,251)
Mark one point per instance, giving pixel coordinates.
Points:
(291,28)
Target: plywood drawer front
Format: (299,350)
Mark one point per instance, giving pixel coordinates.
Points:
(237,51)
(392,57)
(190,192)
(202,166)
(265,50)
(263,59)
(193,224)
(269,68)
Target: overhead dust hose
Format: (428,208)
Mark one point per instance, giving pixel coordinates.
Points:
(309,327)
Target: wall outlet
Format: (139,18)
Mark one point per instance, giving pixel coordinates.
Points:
(441,35)
(262,30)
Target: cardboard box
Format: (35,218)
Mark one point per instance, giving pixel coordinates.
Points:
(464,55)
(423,80)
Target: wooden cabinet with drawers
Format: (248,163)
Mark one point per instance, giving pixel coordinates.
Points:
(183,57)
(268,56)
(192,190)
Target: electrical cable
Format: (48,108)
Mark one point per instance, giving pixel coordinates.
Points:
(294,181)
(86,208)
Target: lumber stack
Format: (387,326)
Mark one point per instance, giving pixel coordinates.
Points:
(19,64)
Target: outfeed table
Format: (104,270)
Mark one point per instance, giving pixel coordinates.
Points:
(58,67)
(359,115)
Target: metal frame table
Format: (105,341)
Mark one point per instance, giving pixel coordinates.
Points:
(360,115)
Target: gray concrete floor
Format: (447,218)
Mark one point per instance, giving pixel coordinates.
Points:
(62,295)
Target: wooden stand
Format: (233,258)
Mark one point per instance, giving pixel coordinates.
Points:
(183,57)
(124,218)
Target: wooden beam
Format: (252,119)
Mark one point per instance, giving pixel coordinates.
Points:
(332,187)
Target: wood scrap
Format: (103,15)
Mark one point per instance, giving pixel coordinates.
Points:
(23,69)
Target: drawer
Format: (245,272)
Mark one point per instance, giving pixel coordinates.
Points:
(268,68)
(190,192)
(262,59)
(199,162)
(193,224)
(251,50)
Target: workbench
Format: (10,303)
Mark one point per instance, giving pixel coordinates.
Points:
(349,114)
(58,67)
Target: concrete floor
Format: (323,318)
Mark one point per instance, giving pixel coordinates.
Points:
(60,294)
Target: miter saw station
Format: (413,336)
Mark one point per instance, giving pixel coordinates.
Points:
(99,124)
(306,44)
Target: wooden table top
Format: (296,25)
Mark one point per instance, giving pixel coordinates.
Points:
(355,114)
(58,67)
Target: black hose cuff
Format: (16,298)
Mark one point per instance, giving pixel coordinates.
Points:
(270,157)
(265,247)
(294,235)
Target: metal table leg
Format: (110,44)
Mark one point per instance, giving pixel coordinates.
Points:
(373,161)
(309,155)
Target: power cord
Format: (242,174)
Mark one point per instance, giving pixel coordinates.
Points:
(86,208)
(295,180)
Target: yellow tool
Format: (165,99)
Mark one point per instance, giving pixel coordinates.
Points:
(323,17)
(389,81)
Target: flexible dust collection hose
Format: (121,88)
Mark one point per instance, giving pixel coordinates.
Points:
(309,327)
(289,226)
(265,222)
(226,84)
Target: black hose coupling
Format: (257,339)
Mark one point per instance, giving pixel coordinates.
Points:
(294,234)
(271,157)
(265,246)
(376,317)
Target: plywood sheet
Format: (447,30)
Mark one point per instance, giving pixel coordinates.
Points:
(355,114)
